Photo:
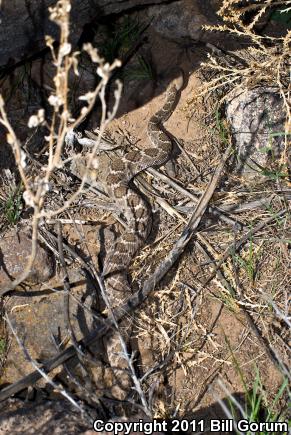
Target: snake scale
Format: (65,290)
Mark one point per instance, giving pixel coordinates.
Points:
(137,214)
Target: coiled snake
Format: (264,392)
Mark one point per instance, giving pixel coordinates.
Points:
(138,218)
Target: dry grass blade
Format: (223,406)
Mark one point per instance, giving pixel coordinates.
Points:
(237,244)
(137,299)
(215,211)
(42,373)
(67,290)
(62,122)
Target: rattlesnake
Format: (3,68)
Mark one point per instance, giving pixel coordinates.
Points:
(138,219)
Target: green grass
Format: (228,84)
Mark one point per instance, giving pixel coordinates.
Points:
(248,263)
(220,128)
(280,221)
(274,175)
(3,347)
(258,407)
(142,71)
(12,206)
(271,173)
(279,134)
(120,38)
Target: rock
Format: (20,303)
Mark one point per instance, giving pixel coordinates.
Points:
(38,318)
(24,23)
(46,417)
(254,115)
(184,19)
(15,249)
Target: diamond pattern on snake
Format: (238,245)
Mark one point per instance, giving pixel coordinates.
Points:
(137,214)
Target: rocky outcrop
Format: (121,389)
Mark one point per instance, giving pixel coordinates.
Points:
(256,118)
(184,20)
(24,23)
(15,249)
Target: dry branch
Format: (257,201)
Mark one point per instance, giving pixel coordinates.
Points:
(37,187)
(134,302)
(138,298)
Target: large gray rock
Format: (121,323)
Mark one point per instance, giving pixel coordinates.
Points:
(24,23)
(15,249)
(256,118)
(184,19)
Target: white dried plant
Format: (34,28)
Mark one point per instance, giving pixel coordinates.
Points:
(265,61)
(65,61)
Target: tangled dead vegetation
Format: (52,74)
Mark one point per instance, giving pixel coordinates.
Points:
(36,189)
(264,62)
(221,250)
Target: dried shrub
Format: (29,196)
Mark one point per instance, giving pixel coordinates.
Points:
(265,61)
(36,188)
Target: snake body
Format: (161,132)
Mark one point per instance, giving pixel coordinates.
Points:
(138,218)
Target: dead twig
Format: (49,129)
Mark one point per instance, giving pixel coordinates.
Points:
(42,373)
(213,210)
(67,291)
(133,302)
(137,299)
